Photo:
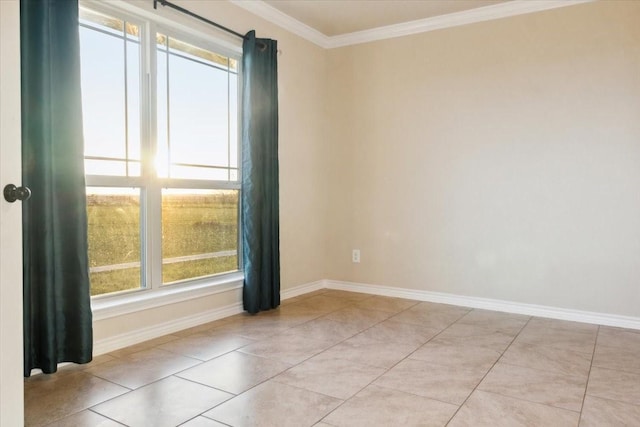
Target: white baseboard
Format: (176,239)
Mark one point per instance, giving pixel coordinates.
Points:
(490,304)
(136,336)
(143,334)
(303,289)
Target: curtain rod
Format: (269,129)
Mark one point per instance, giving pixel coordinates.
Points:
(193,15)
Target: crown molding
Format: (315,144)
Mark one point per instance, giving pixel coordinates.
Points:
(273,15)
(487,13)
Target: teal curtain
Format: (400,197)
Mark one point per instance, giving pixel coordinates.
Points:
(260,212)
(57,305)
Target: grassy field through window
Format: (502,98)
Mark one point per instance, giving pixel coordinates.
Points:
(199,236)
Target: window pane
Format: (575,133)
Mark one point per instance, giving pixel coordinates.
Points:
(114,239)
(199,233)
(110,79)
(197,112)
(199,118)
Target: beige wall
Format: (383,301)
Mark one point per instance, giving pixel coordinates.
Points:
(302,93)
(498,160)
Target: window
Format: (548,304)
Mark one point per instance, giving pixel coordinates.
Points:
(160,117)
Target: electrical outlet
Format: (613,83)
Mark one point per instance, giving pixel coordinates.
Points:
(355,255)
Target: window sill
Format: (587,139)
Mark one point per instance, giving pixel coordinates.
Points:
(118,305)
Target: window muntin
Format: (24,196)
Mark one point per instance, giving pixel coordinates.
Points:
(160,119)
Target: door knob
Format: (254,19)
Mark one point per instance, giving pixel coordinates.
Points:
(13,193)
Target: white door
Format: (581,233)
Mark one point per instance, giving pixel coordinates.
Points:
(11,382)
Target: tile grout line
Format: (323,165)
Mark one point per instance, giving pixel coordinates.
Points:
(436,364)
(489,370)
(101,415)
(266,358)
(130,390)
(273,376)
(535,369)
(609,399)
(586,386)
(205,385)
(372,381)
(400,361)
(522,328)
(422,345)
(292,366)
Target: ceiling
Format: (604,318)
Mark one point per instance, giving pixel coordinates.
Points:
(338,17)
(337,23)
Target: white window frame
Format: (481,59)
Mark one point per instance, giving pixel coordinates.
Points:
(156,294)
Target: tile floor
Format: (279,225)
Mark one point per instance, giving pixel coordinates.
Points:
(334,358)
